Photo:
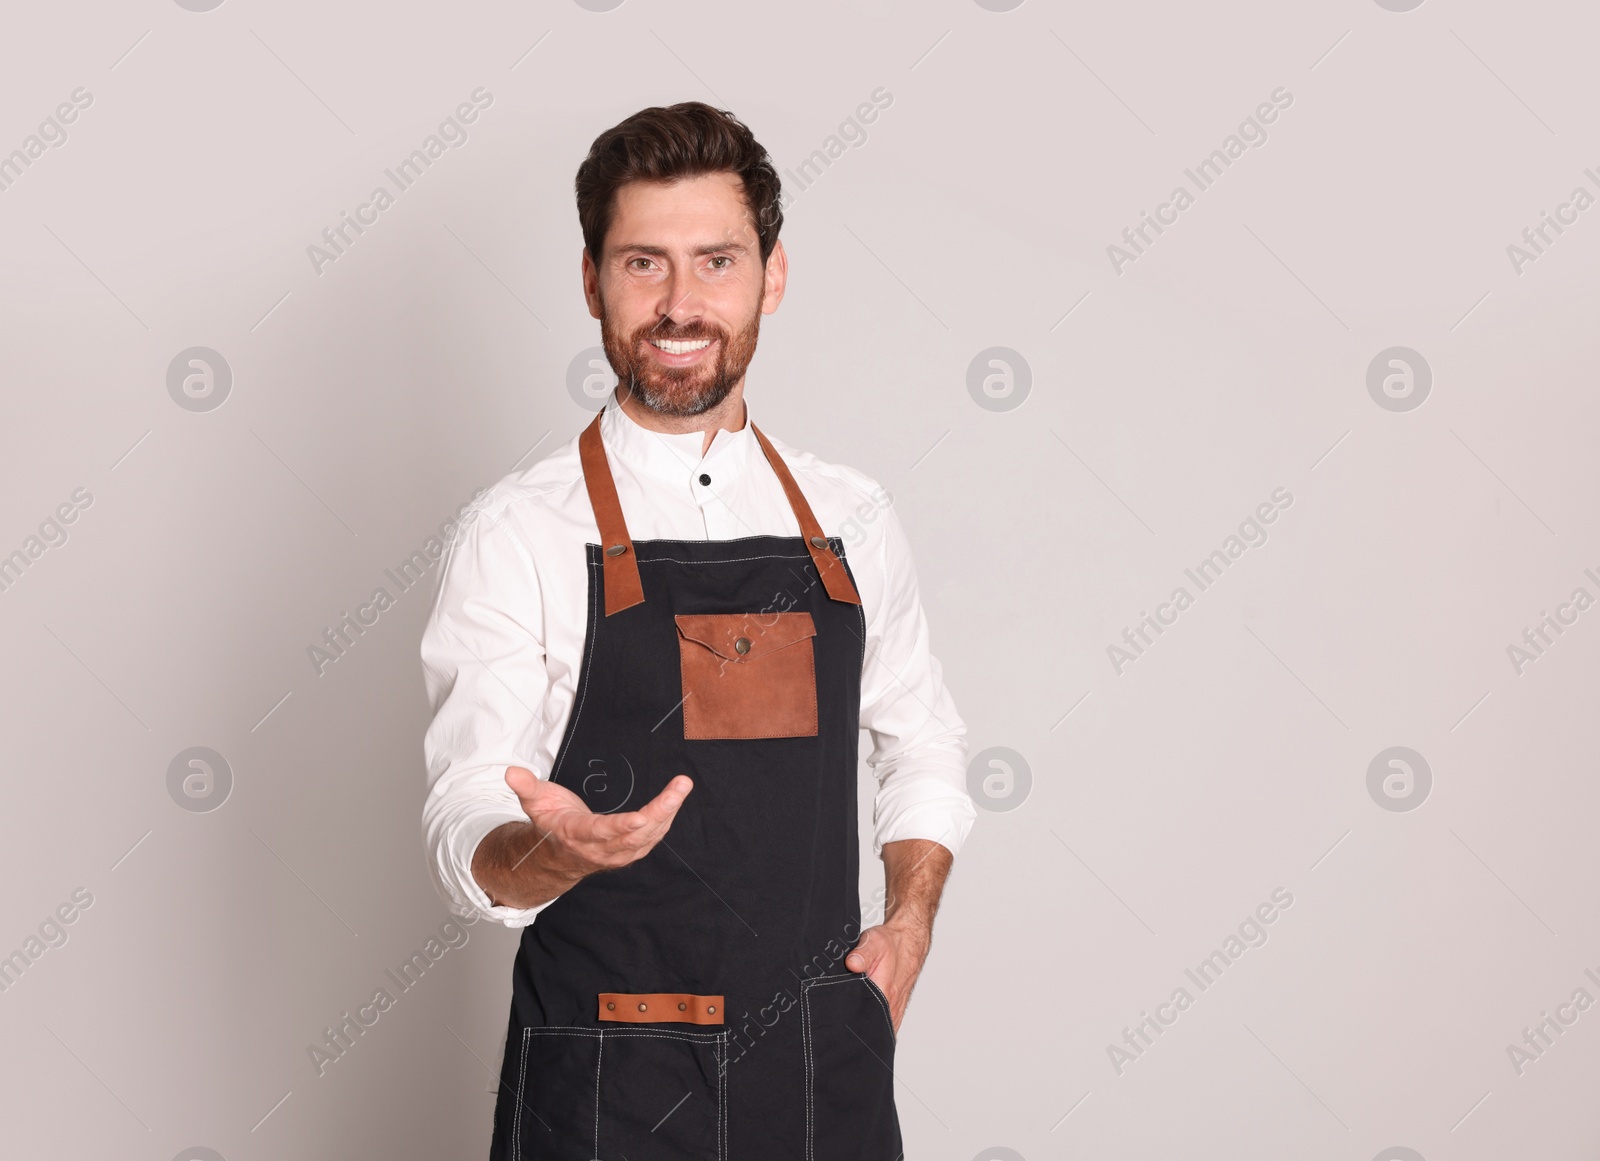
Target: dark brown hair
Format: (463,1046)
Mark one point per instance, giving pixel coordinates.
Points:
(667,144)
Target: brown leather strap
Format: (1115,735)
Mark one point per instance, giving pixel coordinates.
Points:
(660,1007)
(623,587)
(829,567)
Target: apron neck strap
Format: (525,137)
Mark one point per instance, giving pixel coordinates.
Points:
(623,586)
(829,568)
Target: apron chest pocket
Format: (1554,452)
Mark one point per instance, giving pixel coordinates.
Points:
(748,675)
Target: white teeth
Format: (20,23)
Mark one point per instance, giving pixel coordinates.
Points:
(676,348)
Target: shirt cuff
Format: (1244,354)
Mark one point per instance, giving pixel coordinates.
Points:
(946,821)
(460,890)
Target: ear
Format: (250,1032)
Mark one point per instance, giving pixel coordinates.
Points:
(775,279)
(591,284)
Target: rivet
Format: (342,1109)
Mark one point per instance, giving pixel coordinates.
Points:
(683,1007)
(616,550)
(711,1009)
(742,645)
(819,542)
(644,1007)
(611,1006)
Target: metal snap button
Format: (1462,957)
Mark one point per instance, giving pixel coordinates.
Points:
(616,550)
(819,542)
(742,645)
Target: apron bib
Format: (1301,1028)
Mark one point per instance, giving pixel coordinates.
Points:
(695,1004)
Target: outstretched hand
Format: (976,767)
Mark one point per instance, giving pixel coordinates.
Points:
(589,841)
(563,842)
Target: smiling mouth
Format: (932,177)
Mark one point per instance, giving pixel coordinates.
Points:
(677,347)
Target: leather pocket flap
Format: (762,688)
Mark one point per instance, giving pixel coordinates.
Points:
(742,637)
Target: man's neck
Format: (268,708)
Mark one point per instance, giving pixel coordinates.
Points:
(729,415)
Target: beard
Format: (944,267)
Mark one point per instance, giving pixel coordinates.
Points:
(678,391)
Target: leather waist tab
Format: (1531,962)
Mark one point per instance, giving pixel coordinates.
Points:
(660,1007)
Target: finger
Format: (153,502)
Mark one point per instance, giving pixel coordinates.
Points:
(628,837)
(866,955)
(550,801)
(655,815)
(524,783)
(663,807)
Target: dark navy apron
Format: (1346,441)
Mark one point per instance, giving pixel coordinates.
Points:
(695,1004)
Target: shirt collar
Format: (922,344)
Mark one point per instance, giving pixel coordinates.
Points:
(674,457)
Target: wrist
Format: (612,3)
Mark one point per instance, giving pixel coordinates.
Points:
(514,868)
(910,925)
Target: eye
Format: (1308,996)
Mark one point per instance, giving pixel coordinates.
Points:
(721,258)
(635,263)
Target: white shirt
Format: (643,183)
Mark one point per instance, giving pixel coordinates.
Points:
(504,641)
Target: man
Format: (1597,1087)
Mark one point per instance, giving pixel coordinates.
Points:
(649,663)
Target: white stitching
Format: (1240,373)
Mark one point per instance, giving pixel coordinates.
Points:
(583,688)
(726,540)
(834,979)
(613,1033)
(722,1098)
(805,1060)
(564,1031)
(665,1034)
(718,1042)
(729,560)
(522,1082)
(806,1040)
(810,1062)
(883,1002)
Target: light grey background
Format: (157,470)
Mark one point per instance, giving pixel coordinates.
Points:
(370,401)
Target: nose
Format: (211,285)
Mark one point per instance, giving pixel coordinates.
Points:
(680,302)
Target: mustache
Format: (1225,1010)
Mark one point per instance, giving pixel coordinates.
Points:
(685,333)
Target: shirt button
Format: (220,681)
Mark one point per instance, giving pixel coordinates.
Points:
(705,480)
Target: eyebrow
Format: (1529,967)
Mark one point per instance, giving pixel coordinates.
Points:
(699,251)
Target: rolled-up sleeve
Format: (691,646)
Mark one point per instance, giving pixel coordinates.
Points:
(483,665)
(919,744)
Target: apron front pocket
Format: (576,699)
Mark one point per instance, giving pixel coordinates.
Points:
(849,1075)
(748,675)
(603,1094)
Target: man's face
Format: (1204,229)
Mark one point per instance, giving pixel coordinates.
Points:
(680,290)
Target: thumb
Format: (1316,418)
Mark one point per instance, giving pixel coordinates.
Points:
(857,960)
(524,783)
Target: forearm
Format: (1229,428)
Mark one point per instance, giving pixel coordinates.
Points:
(516,867)
(914,875)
